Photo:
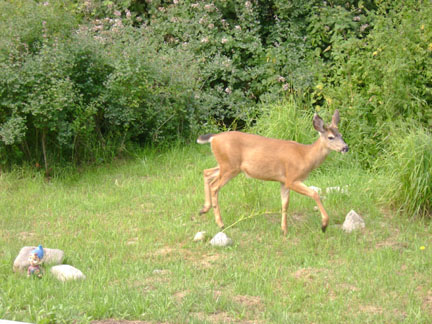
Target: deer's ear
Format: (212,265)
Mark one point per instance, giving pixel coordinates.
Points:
(335,119)
(318,124)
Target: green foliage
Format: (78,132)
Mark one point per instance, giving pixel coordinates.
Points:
(99,88)
(291,120)
(335,22)
(245,51)
(408,166)
(384,77)
(88,80)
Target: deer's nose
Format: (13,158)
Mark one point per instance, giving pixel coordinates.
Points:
(345,149)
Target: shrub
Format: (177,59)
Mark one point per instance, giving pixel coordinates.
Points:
(245,51)
(101,87)
(407,166)
(383,78)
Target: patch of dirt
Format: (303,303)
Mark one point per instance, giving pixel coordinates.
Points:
(114,321)
(26,235)
(427,302)
(150,283)
(249,301)
(222,317)
(347,287)
(391,243)
(166,250)
(340,290)
(207,261)
(204,261)
(180,295)
(308,274)
(275,218)
(371,309)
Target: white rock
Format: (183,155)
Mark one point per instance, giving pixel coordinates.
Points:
(200,236)
(66,272)
(343,189)
(221,239)
(51,256)
(316,189)
(352,222)
(161,272)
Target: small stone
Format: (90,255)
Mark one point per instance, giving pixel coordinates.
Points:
(343,189)
(352,222)
(200,236)
(316,189)
(221,239)
(51,257)
(161,272)
(65,272)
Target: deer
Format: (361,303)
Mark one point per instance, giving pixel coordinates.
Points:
(269,159)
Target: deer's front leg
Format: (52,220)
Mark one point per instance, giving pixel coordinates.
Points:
(301,188)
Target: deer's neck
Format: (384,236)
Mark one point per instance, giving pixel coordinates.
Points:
(316,154)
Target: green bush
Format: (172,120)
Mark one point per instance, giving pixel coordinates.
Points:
(245,50)
(407,166)
(384,77)
(99,88)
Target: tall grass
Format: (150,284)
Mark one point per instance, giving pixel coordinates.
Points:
(407,166)
(290,120)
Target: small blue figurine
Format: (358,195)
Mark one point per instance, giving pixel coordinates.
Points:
(35,260)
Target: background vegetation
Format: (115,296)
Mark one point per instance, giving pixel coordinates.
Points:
(84,82)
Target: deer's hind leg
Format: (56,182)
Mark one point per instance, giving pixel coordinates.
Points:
(285,195)
(215,185)
(209,176)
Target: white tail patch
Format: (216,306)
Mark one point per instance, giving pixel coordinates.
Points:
(200,141)
(204,139)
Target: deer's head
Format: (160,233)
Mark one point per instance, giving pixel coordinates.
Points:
(330,133)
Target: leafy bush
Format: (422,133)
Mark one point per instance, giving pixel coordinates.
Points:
(407,165)
(100,88)
(245,50)
(383,78)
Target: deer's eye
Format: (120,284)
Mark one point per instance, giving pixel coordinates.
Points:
(331,138)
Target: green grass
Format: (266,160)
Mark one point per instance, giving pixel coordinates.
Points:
(120,223)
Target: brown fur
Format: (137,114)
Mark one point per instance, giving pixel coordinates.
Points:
(269,159)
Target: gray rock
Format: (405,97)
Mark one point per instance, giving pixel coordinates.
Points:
(221,239)
(353,221)
(51,257)
(65,272)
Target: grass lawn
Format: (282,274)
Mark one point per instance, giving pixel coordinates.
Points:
(129,227)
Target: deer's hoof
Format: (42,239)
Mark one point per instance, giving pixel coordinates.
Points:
(221,225)
(204,210)
(323,228)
